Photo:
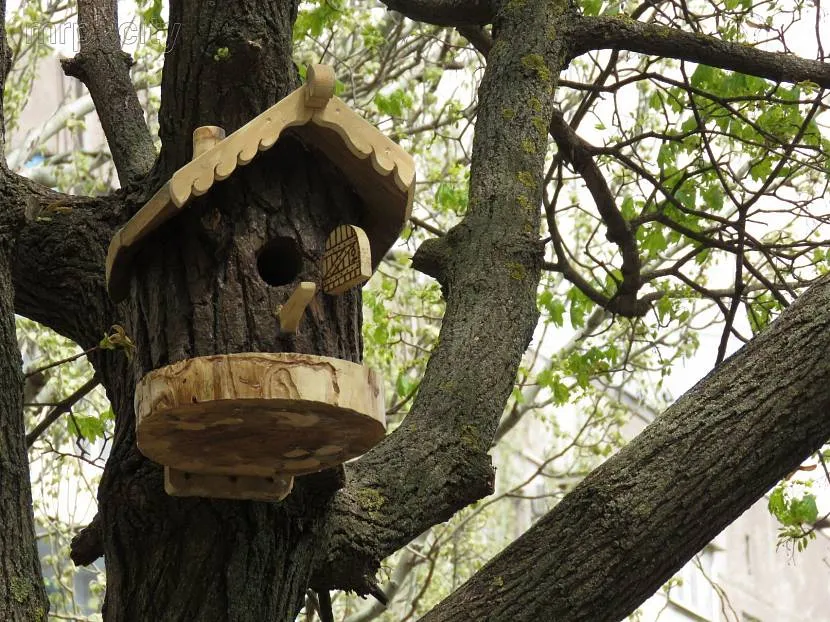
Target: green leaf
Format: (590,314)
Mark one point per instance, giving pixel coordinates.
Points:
(89,427)
(312,22)
(713,196)
(793,511)
(151,14)
(579,305)
(591,7)
(761,169)
(553,306)
(664,307)
(804,510)
(452,197)
(702,76)
(776,504)
(627,208)
(118,340)
(561,393)
(654,241)
(393,104)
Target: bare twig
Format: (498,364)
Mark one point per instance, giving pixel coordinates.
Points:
(62,407)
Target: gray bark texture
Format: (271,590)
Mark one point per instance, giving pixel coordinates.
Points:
(197,291)
(22,595)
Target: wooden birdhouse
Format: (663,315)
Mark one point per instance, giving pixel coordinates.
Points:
(242,425)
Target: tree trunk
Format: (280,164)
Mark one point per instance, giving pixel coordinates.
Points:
(22,595)
(202,287)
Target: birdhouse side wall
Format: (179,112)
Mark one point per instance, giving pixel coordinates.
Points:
(199,289)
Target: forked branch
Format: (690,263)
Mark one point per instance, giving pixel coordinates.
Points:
(105,70)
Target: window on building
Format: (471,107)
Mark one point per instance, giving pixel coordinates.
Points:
(696,593)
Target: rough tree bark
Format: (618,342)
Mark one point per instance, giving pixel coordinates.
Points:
(197,291)
(22,593)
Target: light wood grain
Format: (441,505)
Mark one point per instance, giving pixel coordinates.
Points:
(124,244)
(320,86)
(258,414)
(347,261)
(206,138)
(364,142)
(292,311)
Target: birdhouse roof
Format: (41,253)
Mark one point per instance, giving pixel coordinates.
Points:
(381,172)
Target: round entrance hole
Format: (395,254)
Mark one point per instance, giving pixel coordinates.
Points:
(279,261)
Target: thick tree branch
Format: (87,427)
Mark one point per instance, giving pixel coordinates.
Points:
(490,266)
(599,33)
(640,516)
(58,249)
(87,545)
(22,593)
(105,70)
(445,12)
(580,155)
(480,38)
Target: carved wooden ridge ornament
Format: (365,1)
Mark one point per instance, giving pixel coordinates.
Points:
(241,426)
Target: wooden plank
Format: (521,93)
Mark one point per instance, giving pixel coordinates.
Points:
(126,240)
(206,138)
(319,86)
(183,484)
(238,149)
(364,141)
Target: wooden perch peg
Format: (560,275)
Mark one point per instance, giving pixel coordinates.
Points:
(347,261)
(292,311)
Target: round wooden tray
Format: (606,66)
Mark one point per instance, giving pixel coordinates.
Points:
(258,414)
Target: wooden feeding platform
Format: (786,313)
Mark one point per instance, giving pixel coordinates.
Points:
(241,426)
(247,423)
